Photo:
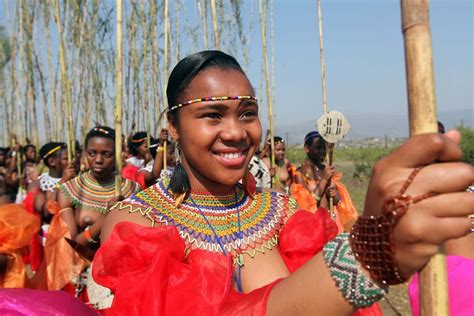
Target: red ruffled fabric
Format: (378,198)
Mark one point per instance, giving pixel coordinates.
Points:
(147,271)
(149,274)
(131,173)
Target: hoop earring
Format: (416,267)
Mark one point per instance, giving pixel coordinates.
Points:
(179,182)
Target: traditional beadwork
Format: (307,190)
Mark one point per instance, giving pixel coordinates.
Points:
(261,218)
(351,281)
(371,236)
(48,183)
(238,97)
(85,191)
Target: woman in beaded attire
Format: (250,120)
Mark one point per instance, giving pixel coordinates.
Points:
(318,183)
(283,171)
(202,244)
(82,203)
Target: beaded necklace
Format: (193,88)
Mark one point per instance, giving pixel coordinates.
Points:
(237,278)
(261,218)
(85,191)
(48,183)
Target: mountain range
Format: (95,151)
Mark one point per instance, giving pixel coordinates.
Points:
(375,125)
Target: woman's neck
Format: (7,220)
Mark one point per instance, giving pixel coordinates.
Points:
(105,179)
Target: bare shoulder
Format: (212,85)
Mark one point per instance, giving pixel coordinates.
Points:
(126,211)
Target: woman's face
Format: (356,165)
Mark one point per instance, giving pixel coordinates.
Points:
(317,150)
(280,151)
(217,138)
(30,154)
(100,157)
(143,150)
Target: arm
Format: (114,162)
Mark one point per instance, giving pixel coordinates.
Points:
(67,213)
(115,216)
(310,290)
(157,164)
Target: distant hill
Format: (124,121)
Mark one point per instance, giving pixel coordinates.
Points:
(376,125)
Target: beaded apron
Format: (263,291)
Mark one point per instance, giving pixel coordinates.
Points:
(261,218)
(85,191)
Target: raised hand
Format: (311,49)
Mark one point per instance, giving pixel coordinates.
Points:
(443,215)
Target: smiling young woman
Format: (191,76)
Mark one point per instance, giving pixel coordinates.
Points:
(202,243)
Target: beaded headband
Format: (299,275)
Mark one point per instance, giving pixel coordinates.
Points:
(238,97)
(55,149)
(138,140)
(99,129)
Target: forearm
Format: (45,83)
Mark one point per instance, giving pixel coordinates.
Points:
(94,231)
(310,290)
(157,165)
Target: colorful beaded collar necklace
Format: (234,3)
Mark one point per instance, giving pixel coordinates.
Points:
(261,218)
(236,276)
(86,191)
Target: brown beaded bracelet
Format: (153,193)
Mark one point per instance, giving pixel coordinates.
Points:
(371,236)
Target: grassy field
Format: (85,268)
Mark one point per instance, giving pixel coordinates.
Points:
(355,165)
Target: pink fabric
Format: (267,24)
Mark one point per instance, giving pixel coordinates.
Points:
(461,287)
(16,302)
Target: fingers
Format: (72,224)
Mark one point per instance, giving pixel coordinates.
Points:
(459,204)
(442,178)
(425,149)
(450,228)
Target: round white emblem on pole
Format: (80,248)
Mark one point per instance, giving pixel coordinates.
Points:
(333,126)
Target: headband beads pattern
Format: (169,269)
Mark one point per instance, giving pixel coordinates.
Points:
(238,97)
(138,140)
(51,151)
(101,130)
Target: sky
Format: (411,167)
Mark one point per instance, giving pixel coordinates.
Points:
(364,56)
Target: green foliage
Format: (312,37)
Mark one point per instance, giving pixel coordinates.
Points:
(363,158)
(467,144)
(295,155)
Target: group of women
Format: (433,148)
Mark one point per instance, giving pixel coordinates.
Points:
(207,238)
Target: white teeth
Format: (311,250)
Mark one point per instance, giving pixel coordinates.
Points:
(231,155)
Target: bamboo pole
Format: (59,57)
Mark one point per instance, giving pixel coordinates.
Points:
(202,13)
(66,90)
(321,57)
(118,102)
(268,86)
(166,39)
(329,147)
(145,39)
(422,118)
(214,24)
(166,64)
(52,90)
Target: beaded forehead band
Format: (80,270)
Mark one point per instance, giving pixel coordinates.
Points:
(138,140)
(52,151)
(99,129)
(237,97)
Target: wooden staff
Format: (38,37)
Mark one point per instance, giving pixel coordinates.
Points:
(118,102)
(267,77)
(67,91)
(214,24)
(166,71)
(422,117)
(329,147)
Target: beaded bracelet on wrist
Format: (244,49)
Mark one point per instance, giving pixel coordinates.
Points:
(371,236)
(351,281)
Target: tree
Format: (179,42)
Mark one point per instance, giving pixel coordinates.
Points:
(5,50)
